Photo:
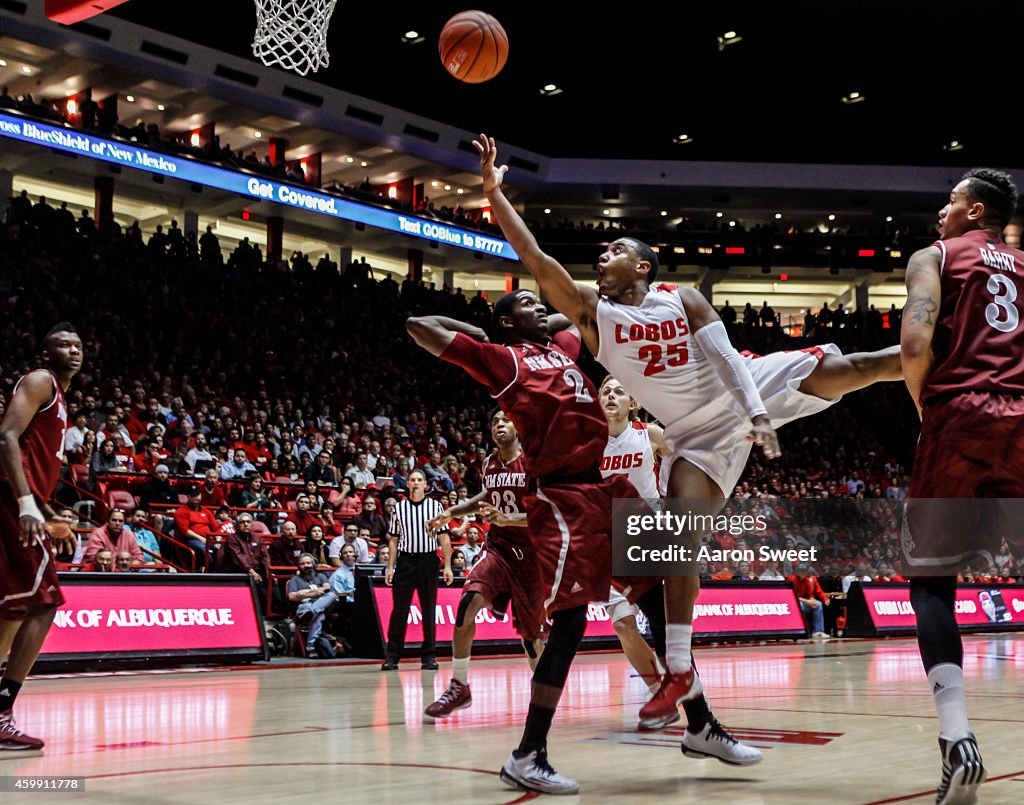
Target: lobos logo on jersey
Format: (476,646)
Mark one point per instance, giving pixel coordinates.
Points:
(664,331)
(626,462)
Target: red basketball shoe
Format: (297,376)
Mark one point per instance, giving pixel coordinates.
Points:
(457,697)
(675,689)
(11,738)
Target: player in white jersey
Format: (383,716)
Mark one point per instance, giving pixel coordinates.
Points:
(669,348)
(634,449)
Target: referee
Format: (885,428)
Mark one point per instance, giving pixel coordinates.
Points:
(415,548)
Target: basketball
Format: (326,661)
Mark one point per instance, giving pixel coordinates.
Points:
(473,47)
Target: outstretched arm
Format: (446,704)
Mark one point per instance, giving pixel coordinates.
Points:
(435,333)
(471,506)
(711,337)
(924,292)
(578,302)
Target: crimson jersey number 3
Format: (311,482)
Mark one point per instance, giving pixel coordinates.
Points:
(659,357)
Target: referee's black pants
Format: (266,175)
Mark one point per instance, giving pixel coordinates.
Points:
(413,572)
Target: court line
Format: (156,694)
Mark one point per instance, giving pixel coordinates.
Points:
(523,797)
(871,715)
(935,791)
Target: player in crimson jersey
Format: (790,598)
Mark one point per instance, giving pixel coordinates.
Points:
(536,381)
(503,572)
(31,455)
(963,353)
(670,350)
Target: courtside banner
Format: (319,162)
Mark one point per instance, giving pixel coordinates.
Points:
(122,616)
(979,607)
(748,608)
(180,167)
(723,610)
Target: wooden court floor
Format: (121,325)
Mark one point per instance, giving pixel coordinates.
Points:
(840,722)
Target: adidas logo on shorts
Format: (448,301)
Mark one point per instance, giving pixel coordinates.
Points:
(575,587)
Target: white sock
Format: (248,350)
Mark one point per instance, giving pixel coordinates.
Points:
(460,669)
(947,684)
(677,647)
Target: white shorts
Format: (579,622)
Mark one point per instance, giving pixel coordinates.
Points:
(722,450)
(619,607)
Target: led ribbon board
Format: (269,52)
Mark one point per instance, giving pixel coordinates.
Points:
(187,170)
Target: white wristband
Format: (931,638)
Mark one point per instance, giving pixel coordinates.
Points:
(27,508)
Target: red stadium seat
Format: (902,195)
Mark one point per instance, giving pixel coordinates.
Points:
(120,499)
(79,474)
(260,529)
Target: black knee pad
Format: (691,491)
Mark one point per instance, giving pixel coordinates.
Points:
(531,652)
(567,628)
(460,615)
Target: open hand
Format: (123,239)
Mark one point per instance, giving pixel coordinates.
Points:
(491,175)
(59,529)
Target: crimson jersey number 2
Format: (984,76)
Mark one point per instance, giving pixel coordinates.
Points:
(659,358)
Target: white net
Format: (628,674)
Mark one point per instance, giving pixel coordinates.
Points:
(293,33)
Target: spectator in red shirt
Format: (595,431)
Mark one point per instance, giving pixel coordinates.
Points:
(149,459)
(332,526)
(812,599)
(302,517)
(259,452)
(193,524)
(211,493)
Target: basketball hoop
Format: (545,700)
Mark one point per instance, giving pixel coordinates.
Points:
(293,33)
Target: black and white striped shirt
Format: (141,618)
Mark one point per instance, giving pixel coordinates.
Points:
(409,524)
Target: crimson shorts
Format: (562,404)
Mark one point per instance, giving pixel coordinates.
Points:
(967,489)
(503,573)
(28,576)
(571,527)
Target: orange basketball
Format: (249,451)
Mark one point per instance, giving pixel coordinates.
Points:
(473,47)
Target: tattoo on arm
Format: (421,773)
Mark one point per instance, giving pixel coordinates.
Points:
(921,310)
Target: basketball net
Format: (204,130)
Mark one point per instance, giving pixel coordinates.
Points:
(293,33)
